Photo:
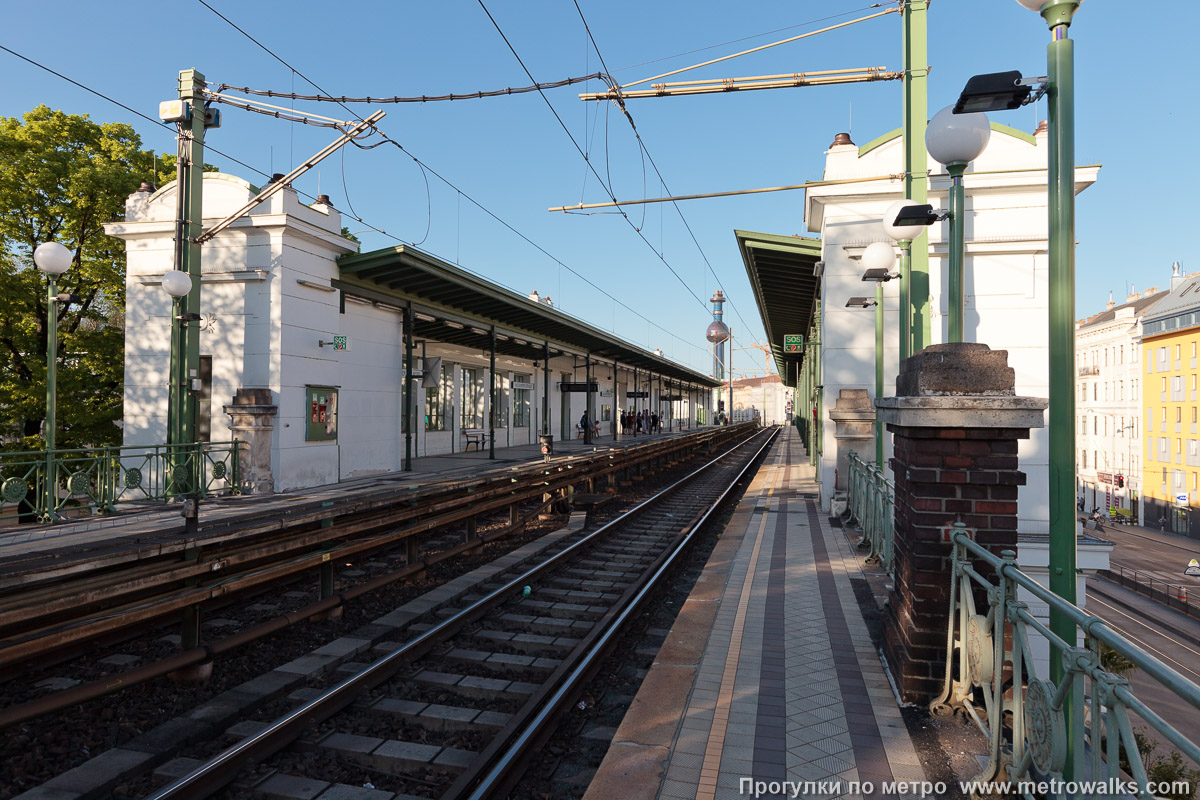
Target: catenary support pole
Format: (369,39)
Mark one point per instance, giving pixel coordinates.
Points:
(914,15)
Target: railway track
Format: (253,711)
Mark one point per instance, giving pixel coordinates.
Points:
(457,708)
(51,608)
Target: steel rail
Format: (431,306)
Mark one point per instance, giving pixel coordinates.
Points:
(505,769)
(225,766)
(82,693)
(296,554)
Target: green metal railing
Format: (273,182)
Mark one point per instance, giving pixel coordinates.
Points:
(870,497)
(1033,723)
(50,485)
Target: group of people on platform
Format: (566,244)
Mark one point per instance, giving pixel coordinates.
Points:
(631,422)
(643,422)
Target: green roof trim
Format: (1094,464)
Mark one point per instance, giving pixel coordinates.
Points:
(995,126)
(780,270)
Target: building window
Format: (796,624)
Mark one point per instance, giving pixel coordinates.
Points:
(1083,456)
(1164,416)
(1176,352)
(1162,355)
(1164,383)
(438,402)
(1193,381)
(1179,413)
(1095,425)
(472,399)
(521,402)
(1121,355)
(1094,385)
(500,407)
(1121,390)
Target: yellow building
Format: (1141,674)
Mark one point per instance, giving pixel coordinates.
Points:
(1169,345)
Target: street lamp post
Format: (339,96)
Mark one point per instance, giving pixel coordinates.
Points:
(878,259)
(1007,90)
(955,141)
(903,236)
(178,284)
(53,259)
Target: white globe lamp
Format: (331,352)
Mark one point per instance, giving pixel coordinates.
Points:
(879,255)
(957,138)
(52,258)
(177,283)
(900,233)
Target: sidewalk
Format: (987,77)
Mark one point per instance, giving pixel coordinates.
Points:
(769,674)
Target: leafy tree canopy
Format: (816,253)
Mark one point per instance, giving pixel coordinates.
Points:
(62,176)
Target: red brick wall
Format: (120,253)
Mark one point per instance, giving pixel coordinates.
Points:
(942,476)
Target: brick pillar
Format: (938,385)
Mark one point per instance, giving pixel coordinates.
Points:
(252,421)
(955,422)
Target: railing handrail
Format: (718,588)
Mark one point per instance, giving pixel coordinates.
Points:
(4,454)
(985,644)
(1090,624)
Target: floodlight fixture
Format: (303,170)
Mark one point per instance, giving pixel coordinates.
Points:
(999,91)
(879,274)
(919,215)
(860,302)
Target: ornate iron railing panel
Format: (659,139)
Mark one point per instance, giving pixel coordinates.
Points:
(993,678)
(64,482)
(871,497)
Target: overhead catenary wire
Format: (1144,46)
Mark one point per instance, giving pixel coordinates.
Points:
(566,130)
(662,180)
(752,36)
(424,98)
(449,183)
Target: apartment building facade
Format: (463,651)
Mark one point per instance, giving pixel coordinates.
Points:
(1171,370)
(1108,428)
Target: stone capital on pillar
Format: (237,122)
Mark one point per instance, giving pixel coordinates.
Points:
(956,422)
(252,416)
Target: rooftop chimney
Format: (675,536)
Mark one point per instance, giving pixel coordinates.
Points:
(1176,275)
(1110,305)
(1153,290)
(1133,294)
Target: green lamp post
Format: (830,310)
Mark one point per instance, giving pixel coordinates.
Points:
(178,284)
(53,259)
(903,236)
(878,259)
(1008,90)
(955,140)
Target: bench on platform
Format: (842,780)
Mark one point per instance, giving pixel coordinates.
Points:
(475,436)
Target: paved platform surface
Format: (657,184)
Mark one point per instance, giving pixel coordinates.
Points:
(137,521)
(769,673)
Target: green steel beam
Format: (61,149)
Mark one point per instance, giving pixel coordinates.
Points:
(916,181)
(185,355)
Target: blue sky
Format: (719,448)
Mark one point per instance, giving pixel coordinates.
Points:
(511,155)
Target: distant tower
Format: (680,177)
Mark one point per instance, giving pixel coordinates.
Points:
(718,334)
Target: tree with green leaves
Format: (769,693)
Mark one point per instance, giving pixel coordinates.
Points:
(62,176)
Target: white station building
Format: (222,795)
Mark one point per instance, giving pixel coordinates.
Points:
(299,327)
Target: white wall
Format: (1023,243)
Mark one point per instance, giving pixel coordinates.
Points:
(1005,279)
